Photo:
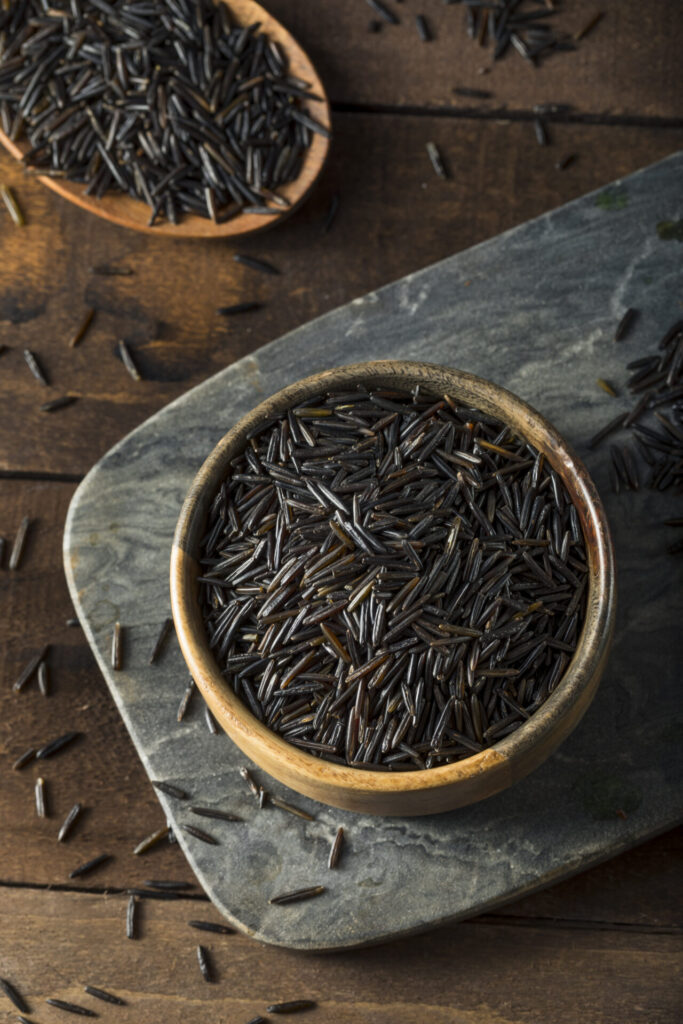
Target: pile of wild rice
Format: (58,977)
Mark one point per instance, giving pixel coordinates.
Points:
(165,100)
(392,582)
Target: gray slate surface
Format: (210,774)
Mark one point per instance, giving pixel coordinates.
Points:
(535,310)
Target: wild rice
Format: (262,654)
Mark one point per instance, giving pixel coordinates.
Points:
(170,790)
(90,865)
(10,200)
(200,834)
(14,996)
(117,648)
(24,759)
(41,798)
(31,668)
(151,840)
(52,748)
(18,547)
(205,965)
(293,1006)
(58,403)
(79,1011)
(69,823)
(131,918)
(35,367)
(161,639)
(106,997)
(82,329)
(393,520)
(209,926)
(335,849)
(172,104)
(297,895)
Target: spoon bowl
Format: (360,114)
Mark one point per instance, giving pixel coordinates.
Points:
(128,212)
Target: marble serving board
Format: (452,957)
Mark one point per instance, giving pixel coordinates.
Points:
(535,310)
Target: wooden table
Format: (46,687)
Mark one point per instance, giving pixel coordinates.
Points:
(601,947)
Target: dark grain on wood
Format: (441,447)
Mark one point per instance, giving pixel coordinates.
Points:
(630,63)
(597,975)
(388,194)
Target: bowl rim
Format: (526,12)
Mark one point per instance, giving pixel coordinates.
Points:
(580,676)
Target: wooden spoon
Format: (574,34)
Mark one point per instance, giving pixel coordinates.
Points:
(133,213)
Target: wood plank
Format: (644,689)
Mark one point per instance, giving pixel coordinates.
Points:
(167,309)
(103,772)
(55,943)
(628,65)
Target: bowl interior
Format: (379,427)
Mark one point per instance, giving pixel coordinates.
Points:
(558,714)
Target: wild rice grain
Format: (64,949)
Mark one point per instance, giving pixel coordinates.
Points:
(205,965)
(297,895)
(200,834)
(106,997)
(170,790)
(131,918)
(79,1011)
(240,307)
(35,367)
(30,668)
(293,1006)
(436,161)
(185,701)
(69,823)
(13,208)
(209,926)
(336,848)
(24,759)
(18,547)
(151,840)
(423,28)
(90,865)
(127,360)
(290,808)
(82,329)
(212,812)
(255,264)
(43,680)
(41,798)
(14,996)
(332,212)
(383,12)
(54,747)
(625,324)
(117,647)
(161,639)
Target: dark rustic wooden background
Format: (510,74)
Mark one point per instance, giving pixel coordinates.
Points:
(602,947)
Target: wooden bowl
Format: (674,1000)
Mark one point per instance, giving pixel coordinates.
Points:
(133,213)
(434,789)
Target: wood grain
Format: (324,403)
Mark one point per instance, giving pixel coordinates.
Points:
(133,214)
(474,973)
(389,193)
(629,65)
